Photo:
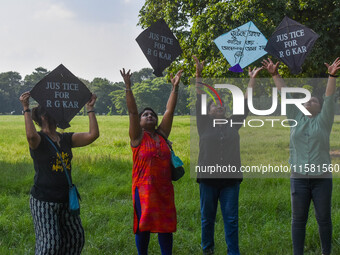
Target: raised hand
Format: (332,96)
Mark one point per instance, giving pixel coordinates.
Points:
(199,66)
(253,73)
(270,66)
(24,99)
(333,68)
(126,77)
(90,104)
(175,80)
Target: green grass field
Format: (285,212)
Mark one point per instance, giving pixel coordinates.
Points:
(102,172)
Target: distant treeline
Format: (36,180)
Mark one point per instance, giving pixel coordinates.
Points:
(148,90)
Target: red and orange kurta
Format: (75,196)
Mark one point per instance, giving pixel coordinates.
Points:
(151,174)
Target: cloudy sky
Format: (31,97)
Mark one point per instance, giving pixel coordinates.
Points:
(92,38)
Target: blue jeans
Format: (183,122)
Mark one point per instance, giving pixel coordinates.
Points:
(228,197)
(302,192)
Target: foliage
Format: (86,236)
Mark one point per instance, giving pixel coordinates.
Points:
(10,85)
(197,23)
(141,75)
(102,88)
(119,101)
(150,91)
(32,79)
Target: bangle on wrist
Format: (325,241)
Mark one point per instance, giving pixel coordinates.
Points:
(90,111)
(332,75)
(27,110)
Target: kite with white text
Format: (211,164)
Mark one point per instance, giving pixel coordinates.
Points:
(291,43)
(159,46)
(62,94)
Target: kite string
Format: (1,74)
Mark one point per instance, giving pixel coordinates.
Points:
(244,45)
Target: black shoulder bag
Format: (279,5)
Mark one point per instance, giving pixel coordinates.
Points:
(177,170)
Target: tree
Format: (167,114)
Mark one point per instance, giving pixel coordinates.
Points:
(119,100)
(10,86)
(102,88)
(154,93)
(4,102)
(31,80)
(197,23)
(141,75)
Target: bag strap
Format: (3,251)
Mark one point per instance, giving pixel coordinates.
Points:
(166,140)
(61,159)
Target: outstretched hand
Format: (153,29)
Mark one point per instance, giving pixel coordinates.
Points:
(91,102)
(24,99)
(333,68)
(175,80)
(253,73)
(199,66)
(126,77)
(270,66)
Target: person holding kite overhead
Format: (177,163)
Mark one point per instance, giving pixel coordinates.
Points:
(152,189)
(311,179)
(219,145)
(56,230)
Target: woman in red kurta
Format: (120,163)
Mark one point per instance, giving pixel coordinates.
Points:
(152,190)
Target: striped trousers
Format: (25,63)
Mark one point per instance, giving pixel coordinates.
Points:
(57,232)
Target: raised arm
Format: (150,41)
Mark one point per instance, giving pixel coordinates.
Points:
(239,119)
(202,121)
(292,110)
(166,124)
(332,70)
(135,130)
(272,70)
(86,138)
(199,69)
(252,75)
(327,111)
(32,135)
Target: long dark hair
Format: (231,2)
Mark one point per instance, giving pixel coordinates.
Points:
(38,112)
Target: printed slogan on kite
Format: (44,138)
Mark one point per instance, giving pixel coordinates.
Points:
(290,43)
(61,92)
(242,46)
(160,43)
(159,46)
